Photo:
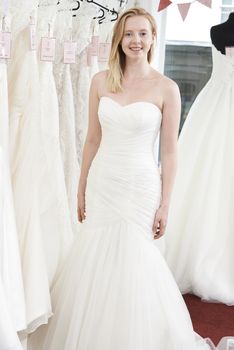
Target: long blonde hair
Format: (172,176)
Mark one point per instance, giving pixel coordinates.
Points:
(117,58)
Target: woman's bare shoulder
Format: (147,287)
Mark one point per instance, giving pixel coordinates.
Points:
(100,76)
(164,81)
(99,81)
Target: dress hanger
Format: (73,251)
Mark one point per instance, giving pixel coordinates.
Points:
(102,9)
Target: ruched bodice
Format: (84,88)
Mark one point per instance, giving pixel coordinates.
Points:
(128,132)
(130,128)
(125,164)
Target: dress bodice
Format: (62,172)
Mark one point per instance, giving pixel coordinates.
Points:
(223,67)
(129,131)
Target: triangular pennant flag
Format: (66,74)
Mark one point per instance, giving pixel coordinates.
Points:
(205,2)
(163,4)
(184,8)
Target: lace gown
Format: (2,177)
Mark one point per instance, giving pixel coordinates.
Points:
(201,223)
(116,291)
(67,135)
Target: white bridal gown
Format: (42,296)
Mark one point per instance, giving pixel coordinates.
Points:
(40,198)
(116,291)
(200,226)
(12,303)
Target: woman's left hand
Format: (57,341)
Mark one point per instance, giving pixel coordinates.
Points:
(160,221)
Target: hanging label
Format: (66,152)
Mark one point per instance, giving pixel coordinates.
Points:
(104,52)
(69,52)
(32,30)
(94,45)
(229,51)
(48,49)
(5,45)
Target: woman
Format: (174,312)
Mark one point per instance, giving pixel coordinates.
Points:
(116,291)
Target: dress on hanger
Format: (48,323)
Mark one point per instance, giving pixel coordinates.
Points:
(116,291)
(80,72)
(200,227)
(67,134)
(56,218)
(27,165)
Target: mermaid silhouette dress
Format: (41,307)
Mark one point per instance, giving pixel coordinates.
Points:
(116,291)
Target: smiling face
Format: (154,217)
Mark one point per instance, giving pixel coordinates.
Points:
(137,37)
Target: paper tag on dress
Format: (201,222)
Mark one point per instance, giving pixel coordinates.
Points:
(5,45)
(32,31)
(229,51)
(69,52)
(104,52)
(94,45)
(48,49)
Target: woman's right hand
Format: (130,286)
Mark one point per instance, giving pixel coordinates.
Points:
(81,206)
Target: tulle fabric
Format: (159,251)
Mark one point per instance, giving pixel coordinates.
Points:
(116,291)
(200,224)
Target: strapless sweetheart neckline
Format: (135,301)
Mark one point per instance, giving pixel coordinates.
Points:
(132,103)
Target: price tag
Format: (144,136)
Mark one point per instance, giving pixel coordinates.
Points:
(104,52)
(32,31)
(48,49)
(5,45)
(69,52)
(229,50)
(94,45)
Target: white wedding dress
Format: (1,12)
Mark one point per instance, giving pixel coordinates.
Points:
(199,235)
(12,315)
(116,291)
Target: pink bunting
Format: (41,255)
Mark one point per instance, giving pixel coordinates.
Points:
(184,8)
(205,2)
(163,4)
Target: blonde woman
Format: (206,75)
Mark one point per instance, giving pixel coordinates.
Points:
(116,292)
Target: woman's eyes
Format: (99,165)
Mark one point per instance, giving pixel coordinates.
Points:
(128,34)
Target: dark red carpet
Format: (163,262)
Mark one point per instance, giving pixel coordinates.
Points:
(210,320)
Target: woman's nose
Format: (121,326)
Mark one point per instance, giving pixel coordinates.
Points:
(136,38)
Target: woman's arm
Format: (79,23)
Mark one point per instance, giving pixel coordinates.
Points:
(91,145)
(168,152)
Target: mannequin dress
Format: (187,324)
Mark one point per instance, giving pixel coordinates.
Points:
(199,235)
(116,291)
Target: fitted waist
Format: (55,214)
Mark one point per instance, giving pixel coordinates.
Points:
(128,158)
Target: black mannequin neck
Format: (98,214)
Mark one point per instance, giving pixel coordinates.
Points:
(231,17)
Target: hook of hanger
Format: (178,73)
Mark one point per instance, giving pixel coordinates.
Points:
(76,8)
(101,17)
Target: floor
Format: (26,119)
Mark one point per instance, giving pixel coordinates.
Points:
(211,320)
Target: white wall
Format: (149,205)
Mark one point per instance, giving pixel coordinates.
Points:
(196,26)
